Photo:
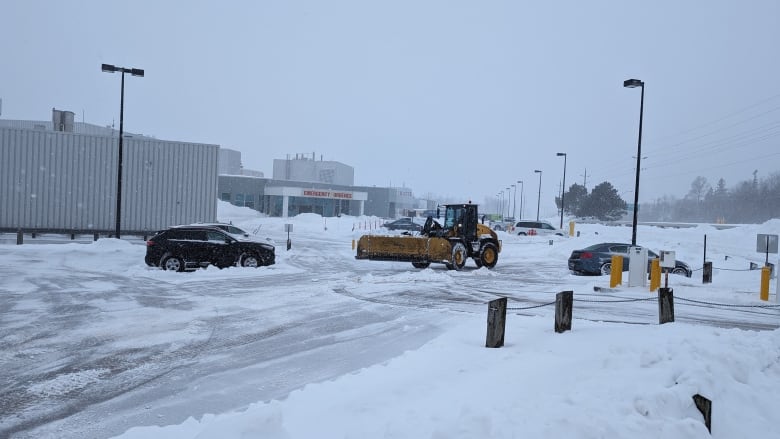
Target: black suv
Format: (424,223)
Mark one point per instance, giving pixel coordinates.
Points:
(189,247)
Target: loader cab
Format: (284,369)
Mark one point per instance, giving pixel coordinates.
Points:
(464,216)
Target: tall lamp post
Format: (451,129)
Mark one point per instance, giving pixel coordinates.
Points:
(521,198)
(563,190)
(538,197)
(508,201)
(633,83)
(135,72)
(514,206)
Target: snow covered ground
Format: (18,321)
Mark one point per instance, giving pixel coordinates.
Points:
(97,344)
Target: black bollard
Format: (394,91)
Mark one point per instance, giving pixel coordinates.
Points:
(665,305)
(707,273)
(496,323)
(563,310)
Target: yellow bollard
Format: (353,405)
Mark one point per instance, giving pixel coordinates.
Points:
(765,273)
(616,273)
(571,228)
(655,274)
(353,244)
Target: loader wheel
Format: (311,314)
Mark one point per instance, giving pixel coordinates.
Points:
(459,256)
(488,257)
(421,264)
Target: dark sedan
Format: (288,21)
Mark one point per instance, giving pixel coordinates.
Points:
(403,224)
(597,259)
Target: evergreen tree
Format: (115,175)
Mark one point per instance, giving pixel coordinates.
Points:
(575,199)
(604,203)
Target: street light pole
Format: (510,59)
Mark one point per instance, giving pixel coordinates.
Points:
(508,201)
(539,197)
(633,83)
(514,206)
(563,189)
(135,72)
(521,198)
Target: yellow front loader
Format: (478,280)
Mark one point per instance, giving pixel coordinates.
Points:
(461,236)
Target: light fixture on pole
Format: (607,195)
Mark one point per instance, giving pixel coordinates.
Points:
(633,83)
(135,72)
(539,197)
(521,198)
(514,205)
(563,190)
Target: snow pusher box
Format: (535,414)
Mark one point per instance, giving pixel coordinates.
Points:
(462,236)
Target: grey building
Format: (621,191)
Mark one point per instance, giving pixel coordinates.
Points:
(389,202)
(302,184)
(289,198)
(305,168)
(62,177)
(230,164)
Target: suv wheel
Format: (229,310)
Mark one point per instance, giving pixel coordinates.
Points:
(173,263)
(250,260)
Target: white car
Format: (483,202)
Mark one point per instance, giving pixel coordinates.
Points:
(541,228)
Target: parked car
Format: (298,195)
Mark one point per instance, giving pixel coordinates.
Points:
(530,228)
(597,259)
(183,248)
(405,224)
(501,226)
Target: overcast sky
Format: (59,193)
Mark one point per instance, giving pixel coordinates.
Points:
(451,98)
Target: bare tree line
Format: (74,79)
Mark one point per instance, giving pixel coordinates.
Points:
(754,200)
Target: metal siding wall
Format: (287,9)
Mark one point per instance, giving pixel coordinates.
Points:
(66,180)
(46,183)
(168,183)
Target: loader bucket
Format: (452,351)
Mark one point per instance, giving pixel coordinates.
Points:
(403,248)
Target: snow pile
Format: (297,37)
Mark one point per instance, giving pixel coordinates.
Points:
(600,380)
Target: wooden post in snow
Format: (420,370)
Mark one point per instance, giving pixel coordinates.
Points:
(496,323)
(563,310)
(705,407)
(665,305)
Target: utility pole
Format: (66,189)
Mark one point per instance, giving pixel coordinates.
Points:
(585,179)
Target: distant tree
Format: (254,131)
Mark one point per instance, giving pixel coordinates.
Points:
(721,189)
(574,199)
(604,203)
(699,187)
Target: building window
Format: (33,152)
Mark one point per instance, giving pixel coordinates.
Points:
(327,175)
(243,200)
(225,196)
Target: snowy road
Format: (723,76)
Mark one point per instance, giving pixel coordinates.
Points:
(90,354)
(94,342)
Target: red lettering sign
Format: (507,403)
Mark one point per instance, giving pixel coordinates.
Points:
(309,193)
